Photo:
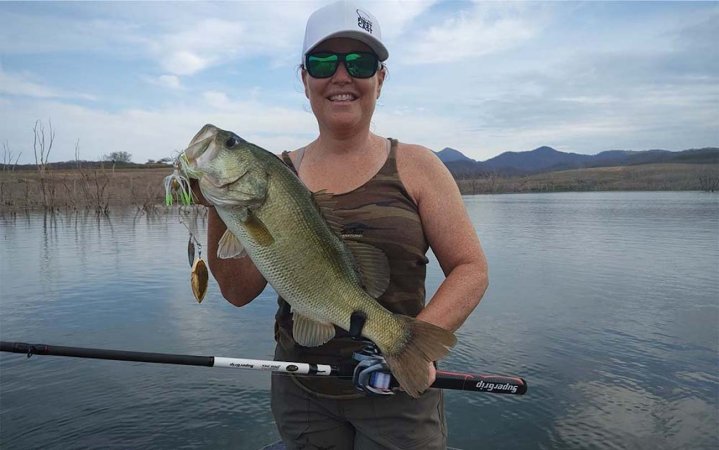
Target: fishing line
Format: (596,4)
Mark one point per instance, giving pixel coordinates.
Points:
(192,244)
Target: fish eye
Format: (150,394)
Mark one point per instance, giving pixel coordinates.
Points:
(231,142)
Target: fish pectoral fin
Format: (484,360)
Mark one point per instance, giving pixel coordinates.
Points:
(257,229)
(311,333)
(230,247)
(372,266)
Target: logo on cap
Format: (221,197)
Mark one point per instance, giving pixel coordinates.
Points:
(363,21)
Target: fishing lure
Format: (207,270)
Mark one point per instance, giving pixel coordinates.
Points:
(198,279)
(177,186)
(199,275)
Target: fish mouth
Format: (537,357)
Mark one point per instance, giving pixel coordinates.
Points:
(188,158)
(196,150)
(187,167)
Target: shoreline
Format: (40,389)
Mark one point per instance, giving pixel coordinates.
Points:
(645,177)
(99,189)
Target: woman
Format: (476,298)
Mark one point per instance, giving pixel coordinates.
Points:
(396,196)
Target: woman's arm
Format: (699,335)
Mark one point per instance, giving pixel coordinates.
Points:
(451,236)
(239,280)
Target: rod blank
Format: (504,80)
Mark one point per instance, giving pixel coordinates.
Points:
(496,384)
(98,353)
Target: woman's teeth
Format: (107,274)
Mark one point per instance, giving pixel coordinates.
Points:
(342,98)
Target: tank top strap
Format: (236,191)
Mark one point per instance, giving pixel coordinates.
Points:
(288,161)
(390,166)
(393,143)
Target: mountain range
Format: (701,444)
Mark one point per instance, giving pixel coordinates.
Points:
(547,159)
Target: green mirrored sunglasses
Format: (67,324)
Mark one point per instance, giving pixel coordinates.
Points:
(358,64)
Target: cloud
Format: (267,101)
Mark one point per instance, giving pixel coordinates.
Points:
(151,133)
(25,84)
(184,62)
(60,29)
(582,96)
(190,39)
(484,29)
(216,99)
(167,81)
(397,18)
(156,133)
(191,50)
(494,77)
(430,129)
(230,32)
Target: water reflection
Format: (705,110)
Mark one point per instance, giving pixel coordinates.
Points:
(605,303)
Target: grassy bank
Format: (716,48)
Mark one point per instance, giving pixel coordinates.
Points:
(647,177)
(100,190)
(82,189)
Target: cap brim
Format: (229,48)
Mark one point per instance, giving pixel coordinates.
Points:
(373,43)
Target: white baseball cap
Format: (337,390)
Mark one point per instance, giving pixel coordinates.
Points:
(343,19)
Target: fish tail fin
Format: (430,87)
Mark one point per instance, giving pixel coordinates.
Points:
(424,343)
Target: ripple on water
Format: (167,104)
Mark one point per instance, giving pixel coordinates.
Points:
(604,302)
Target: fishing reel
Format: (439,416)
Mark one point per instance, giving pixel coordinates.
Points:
(371,374)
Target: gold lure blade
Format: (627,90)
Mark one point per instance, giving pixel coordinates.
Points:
(198,279)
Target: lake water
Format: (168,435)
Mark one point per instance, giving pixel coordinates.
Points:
(607,303)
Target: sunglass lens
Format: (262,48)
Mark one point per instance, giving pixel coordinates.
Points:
(361,65)
(322,65)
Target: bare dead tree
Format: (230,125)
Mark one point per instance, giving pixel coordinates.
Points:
(8,164)
(42,145)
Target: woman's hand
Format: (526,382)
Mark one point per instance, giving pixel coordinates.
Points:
(432,373)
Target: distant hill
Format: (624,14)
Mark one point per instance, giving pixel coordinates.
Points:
(451,155)
(547,159)
(540,159)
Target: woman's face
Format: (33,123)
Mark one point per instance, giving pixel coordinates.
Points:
(343,103)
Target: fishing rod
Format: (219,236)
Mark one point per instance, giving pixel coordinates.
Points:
(370,374)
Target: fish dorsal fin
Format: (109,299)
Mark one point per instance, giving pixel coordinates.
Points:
(325,203)
(372,266)
(230,247)
(311,333)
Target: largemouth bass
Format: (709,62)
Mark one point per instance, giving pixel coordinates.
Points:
(292,238)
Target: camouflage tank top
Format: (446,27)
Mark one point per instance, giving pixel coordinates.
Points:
(381,213)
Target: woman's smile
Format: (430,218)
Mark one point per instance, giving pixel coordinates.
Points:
(342,97)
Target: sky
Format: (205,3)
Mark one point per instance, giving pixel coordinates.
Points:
(479,77)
